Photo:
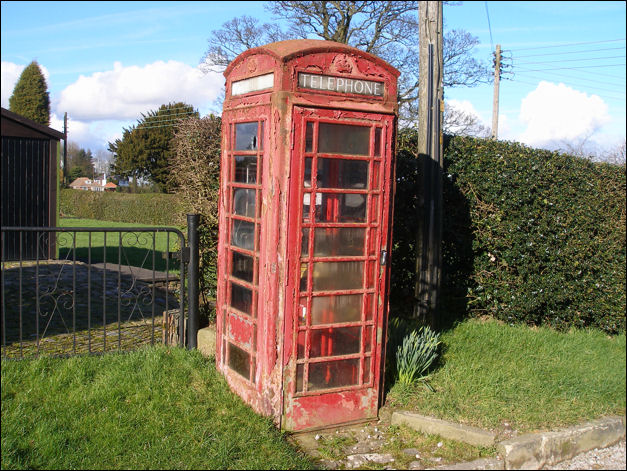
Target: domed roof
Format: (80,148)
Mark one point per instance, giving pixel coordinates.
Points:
(284,51)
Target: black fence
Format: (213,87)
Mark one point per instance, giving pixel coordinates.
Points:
(105,289)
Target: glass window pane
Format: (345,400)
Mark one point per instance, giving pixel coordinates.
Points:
(345,241)
(368,340)
(338,173)
(337,275)
(307,202)
(307,179)
(261,136)
(244,202)
(239,361)
(243,235)
(335,341)
(336,309)
(333,374)
(340,207)
(367,362)
(304,249)
(246,136)
(242,267)
(302,313)
(309,137)
(377,142)
(300,369)
(303,277)
(245,169)
(241,298)
(301,344)
(343,139)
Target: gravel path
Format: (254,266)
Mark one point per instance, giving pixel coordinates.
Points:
(612,457)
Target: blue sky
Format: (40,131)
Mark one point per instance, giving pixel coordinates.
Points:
(107,62)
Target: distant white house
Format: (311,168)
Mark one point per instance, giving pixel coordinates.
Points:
(87,184)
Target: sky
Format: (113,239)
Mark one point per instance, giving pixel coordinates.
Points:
(106,63)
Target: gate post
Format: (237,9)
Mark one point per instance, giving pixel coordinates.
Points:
(192,320)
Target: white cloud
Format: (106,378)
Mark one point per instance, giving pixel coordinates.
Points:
(555,112)
(125,92)
(10,74)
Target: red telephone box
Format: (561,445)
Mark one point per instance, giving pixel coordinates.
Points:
(306,189)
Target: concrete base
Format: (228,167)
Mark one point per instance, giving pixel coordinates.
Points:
(461,433)
(482,463)
(530,451)
(533,451)
(207,341)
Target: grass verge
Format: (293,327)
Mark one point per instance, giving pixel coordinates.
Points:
(491,374)
(156,408)
(138,247)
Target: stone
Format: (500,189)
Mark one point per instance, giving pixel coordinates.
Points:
(411,451)
(356,461)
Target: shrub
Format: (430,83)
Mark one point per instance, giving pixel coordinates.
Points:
(529,235)
(195,171)
(157,209)
(546,237)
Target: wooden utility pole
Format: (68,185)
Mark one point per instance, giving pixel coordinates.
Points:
(495,100)
(430,154)
(65,169)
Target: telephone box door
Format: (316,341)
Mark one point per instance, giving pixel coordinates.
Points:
(339,220)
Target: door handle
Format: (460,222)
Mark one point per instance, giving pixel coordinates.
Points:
(384,257)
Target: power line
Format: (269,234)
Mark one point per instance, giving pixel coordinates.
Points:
(587,86)
(574,52)
(567,45)
(572,60)
(574,68)
(163,115)
(489,26)
(570,77)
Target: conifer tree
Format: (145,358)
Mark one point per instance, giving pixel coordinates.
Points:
(30,96)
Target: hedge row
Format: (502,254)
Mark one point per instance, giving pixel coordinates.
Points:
(546,240)
(158,209)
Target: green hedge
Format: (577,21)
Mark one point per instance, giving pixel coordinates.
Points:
(529,236)
(547,234)
(158,209)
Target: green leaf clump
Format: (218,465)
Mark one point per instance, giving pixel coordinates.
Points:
(416,354)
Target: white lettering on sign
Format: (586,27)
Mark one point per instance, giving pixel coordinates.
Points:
(252,84)
(341,85)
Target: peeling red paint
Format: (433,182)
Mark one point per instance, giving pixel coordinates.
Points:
(268,355)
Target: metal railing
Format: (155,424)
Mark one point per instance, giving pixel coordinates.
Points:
(74,290)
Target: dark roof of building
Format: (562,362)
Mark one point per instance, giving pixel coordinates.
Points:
(29,123)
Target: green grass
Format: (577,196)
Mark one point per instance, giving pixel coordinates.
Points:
(138,246)
(156,408)
(534,379)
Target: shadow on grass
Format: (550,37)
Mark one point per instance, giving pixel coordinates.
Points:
(132,256)
(55,303)
(457,259)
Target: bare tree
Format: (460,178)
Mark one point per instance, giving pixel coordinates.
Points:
(235,37)
(387,29)
(615,155)
(461,123)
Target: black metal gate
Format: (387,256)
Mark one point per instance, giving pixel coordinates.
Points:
(106,289)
